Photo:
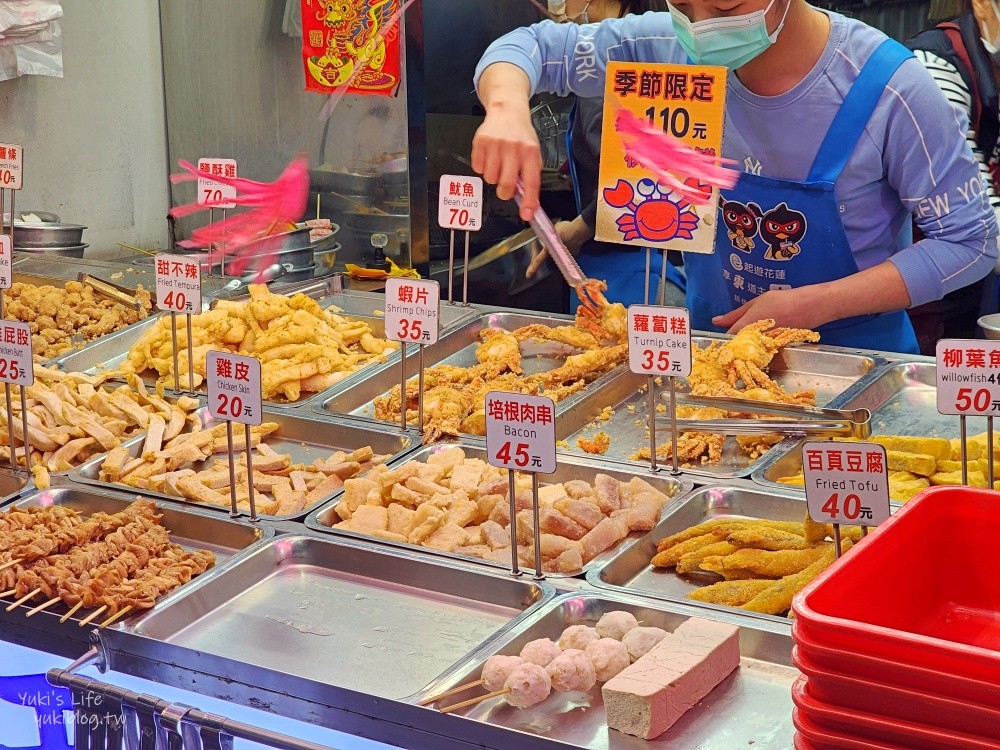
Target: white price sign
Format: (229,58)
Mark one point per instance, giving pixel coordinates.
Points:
(968,377)
(212,191)
(16,364)
(846,483)
(460,202)
(178,284)
(11,166)
(659,340)
(412,310)
(234,388)
(521,432)
(6,258)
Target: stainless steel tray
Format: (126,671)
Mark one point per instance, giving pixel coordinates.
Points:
(355,397)
(324,516)
(830,373)
(386,624)
(750,709)
(108,352)
(13,484)
(191,528)
(304,439)
(902,400)
(630,571)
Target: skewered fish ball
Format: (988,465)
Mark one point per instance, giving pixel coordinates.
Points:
(497,669)
(616,625)
(609,657)
(572,671)
(640,640)
(541,651)
(529,685)
(578,637)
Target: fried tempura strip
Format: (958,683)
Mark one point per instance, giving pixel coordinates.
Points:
(778,598)
(763,563)
(767,538)
(691,562)
(816,532)
(670,557)
(728,525)
(731,593)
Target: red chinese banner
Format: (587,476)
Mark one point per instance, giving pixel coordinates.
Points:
(351,41)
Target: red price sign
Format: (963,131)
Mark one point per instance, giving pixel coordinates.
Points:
(11,166)
(212,191)
(846,483)
(659,340)
(412,310)
(521,432)
(968,377)
(6,258)
(460,202)
(16,364)
(234,388)
(178,284)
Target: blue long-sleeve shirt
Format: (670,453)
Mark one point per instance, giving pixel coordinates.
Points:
(912,160)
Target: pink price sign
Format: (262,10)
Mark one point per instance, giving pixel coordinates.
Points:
(178,284)
(234,388)
(659,340)
(521,432)
(846,483)
(968,377)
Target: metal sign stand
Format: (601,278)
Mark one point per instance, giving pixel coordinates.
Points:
(420,389)
(402,385)
(451,269)
(535,523)
(515,569)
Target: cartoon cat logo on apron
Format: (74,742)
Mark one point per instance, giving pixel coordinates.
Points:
(783,234)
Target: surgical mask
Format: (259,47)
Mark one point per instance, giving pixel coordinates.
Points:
(729,41)
(557,9)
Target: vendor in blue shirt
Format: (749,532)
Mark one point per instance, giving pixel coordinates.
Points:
(841,135)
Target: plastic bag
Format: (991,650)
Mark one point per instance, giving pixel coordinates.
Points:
(37,58)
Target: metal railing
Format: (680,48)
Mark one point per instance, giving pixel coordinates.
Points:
(111,718)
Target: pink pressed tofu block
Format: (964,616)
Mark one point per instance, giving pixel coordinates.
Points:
(648,697)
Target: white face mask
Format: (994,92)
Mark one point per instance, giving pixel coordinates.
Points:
(557,9)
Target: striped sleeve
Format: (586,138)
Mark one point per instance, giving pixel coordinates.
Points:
(952,85)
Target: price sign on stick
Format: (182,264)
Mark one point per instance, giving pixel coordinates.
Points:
(968,377)
(6,258)
(178,284)
(211,191)
(521,432)
(846,483)
(460,203)
(16,365)
(412,310)
(234,388)
(659,341)
(11,168)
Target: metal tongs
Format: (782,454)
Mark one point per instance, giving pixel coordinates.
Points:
(590,291)
(802,421)
(113,292)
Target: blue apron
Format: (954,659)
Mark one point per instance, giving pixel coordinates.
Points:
(623,267)
(780,234)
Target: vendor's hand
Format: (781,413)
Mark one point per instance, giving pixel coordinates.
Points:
(790,308)
(574,235)
(506,148)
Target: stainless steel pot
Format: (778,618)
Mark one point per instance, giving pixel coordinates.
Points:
(72,251)
(47,234)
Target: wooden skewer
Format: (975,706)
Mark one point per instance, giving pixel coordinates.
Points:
(474,701)
(5,594)
(11,563)
(93,615)
(120,613)
(459,689)
(23,599)
(72,611)
(40,607)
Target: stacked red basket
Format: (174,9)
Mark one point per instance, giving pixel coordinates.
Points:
(899,642)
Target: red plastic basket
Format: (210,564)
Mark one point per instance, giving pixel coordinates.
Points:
(894,702)
(865,667)
(801,743)
(869,727)
(921,589)
(821,738)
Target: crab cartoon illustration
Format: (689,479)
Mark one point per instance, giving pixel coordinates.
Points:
(655,217)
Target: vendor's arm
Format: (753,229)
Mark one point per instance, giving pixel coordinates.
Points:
(559,58)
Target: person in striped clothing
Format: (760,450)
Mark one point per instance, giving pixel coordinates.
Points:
(961,56)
